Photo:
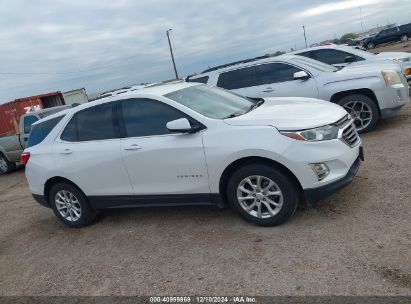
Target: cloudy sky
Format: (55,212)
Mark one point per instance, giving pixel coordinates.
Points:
(58,45)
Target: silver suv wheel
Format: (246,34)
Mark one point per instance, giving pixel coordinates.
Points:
(360,112)
(68,205)
(3,165)
(259,196)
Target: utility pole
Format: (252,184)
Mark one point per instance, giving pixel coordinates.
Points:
(305,37)
(362,27)
(171,52)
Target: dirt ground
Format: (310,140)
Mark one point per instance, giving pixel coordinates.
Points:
(357,242)
(394,47)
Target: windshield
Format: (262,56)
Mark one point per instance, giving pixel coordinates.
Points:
(359,52)
(211,102)
(318,65)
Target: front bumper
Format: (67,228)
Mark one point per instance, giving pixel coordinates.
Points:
(313,195)
(393,98)
(390,112)
(41,200)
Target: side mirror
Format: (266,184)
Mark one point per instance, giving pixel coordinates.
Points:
(182,125)
(350,59)
(301,75)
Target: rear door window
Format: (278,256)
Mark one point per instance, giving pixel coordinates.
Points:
(40,131)
(237,79)
(96,123)
(275,72)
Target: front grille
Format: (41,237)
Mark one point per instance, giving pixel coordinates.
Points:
(350,135)
(349,132)
(342,122)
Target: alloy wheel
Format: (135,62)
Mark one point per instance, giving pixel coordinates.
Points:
(68,205)
(259,196)
(360,112)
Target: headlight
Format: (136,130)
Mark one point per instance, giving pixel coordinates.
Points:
(400,60)
(391,77)
(397,60)
(316,134)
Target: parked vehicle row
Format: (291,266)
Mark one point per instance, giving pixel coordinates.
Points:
(281,137)
(368,91)
(188,143)
(392,34)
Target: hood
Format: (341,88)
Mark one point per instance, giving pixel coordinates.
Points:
(291,113)
(364,68)
(393,55)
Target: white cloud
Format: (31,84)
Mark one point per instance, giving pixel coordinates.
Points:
(114,43)
(333,6)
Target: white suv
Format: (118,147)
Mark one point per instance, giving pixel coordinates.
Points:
(185,143)
(368,92)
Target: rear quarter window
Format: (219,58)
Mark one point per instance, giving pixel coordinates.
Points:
(203,79)
(40,131)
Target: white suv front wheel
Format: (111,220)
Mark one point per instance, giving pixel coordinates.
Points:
(262,194)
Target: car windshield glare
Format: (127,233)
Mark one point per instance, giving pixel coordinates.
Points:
(318,65)
(210,101)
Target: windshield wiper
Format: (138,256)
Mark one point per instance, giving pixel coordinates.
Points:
(234,115)
(255,105)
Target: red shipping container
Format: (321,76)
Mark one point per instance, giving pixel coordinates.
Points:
(11,112)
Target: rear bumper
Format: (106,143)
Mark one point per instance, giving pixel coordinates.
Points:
(41,200)
(313,195)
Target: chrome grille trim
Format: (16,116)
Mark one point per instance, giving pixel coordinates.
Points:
(348,133)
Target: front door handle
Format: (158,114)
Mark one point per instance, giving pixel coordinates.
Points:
(132,147)
(66,151)
(268,90)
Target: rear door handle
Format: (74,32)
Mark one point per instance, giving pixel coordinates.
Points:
(132,147)
(268,90)
(66,151)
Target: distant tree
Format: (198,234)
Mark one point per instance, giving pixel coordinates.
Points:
(278,53)
(348,36)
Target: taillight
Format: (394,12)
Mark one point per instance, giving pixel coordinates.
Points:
(25,158)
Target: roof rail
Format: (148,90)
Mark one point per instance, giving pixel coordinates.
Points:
(234,63)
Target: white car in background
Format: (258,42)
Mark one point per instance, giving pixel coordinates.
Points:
(344,55)
(367,92)
(186,143)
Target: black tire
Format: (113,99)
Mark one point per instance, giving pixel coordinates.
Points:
(370,45)
(87,214)
(289,191)
(404,38)
(348,100)
(6,166)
